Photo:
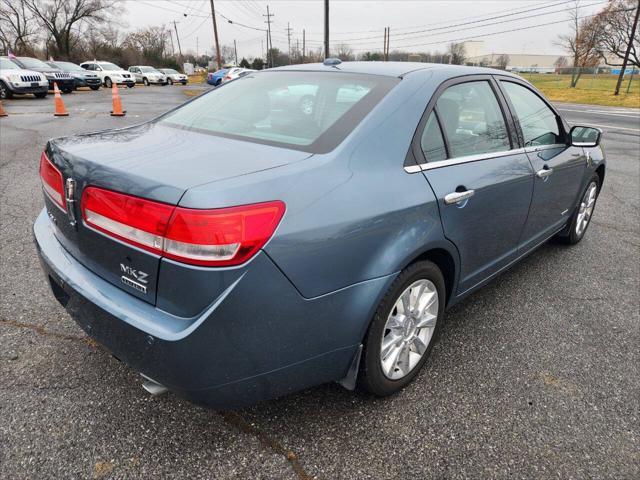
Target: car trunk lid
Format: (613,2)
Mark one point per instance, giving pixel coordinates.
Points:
(149,161)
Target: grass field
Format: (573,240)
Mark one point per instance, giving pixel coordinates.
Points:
(591,89)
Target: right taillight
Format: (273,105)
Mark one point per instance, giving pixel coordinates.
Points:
(52,181)
(213,237)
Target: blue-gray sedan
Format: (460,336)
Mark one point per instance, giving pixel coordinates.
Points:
(307,224)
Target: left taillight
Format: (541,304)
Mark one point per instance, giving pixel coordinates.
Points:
(52,181)
(212,237)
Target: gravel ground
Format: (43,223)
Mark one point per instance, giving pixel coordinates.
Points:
(536,375)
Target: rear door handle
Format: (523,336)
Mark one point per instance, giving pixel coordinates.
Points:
(544,173)
(457,197)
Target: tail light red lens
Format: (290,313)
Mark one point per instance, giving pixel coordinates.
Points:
(214,237)
(52,181)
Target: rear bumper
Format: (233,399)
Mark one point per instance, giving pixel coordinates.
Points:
(258,340)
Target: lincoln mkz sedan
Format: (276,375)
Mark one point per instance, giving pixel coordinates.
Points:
(307,224)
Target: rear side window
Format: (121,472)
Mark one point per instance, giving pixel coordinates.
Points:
(431,142)
(472,120)
(308,111)
(538,122)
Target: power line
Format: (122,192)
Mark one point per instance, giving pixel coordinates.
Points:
(473,37)
(431,34)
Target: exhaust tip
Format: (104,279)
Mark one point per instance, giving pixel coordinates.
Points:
(153,387)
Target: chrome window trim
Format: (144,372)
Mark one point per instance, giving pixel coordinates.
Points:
(460,160)
(538,148)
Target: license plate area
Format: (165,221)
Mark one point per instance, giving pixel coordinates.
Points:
(35,84)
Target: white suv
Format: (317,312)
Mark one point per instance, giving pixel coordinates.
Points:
(17,81)
(110,73)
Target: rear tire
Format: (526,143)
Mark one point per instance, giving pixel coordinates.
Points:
(581,218)
(386,369)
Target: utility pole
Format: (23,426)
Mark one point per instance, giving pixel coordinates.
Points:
(177,38)
(288,29)
(215,34)
(386,57)
(384,46)
(269,43)
(326,28)
(626,55)
(173,50)
(196,50)
(235,49)
(303,45)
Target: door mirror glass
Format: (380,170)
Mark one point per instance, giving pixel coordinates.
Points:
(585,136)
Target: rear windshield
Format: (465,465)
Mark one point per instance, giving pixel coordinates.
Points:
(309,111)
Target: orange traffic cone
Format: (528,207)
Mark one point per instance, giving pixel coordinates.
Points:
(60,110)
(117,104)
(2,112)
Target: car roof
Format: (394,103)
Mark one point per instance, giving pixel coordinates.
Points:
(392,69)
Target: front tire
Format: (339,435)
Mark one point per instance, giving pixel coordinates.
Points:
(582,215)
(403,330)
(108,83)
(95,87)
(145,82)
(5,93)
(41,94)
(170,82)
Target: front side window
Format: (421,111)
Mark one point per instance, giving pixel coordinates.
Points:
(538,122)
(309,111)
(472,120)
(431,142)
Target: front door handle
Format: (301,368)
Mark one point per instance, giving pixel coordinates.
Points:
(457,197)
(544,173)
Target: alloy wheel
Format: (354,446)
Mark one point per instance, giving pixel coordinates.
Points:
(585,209)
(409,329)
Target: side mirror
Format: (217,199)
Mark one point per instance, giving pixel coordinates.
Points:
(585,136)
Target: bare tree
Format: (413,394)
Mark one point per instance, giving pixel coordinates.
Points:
(503,61)
(615,25)
(560,63)
(150,42)
(64,19)
(18,29)
(457,53)
(344,52)
(580,43)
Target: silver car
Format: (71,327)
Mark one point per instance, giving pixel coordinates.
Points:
(148,75)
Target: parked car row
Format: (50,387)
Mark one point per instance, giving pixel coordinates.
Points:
(27,75)
(226,74)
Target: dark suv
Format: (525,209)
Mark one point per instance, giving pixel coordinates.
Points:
(65,81)
(81,77)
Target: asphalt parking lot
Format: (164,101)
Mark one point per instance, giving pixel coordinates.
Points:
(535,376)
